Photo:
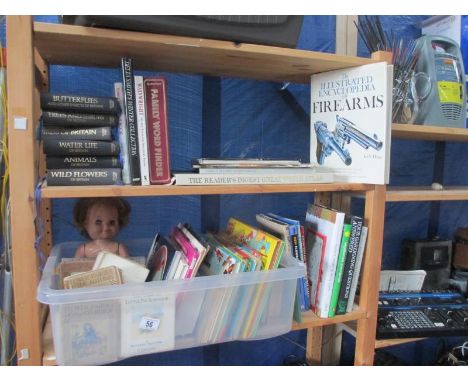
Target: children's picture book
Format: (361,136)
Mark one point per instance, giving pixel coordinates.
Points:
(147,324)
(269,246)
(351,123)
(89,333)
(324,227)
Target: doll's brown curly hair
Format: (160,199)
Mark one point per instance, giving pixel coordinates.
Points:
(82,206)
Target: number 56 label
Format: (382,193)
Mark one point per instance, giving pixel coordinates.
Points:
(149,323)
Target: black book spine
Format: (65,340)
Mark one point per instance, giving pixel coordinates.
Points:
(78,119)
(130,113)
(59,147)
(67,162)
(350,264)
(84,177)
(64,132)
(82,104)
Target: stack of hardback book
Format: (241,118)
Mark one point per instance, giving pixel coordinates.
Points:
(143,127)
(78,141)
(335,244)
(227,171)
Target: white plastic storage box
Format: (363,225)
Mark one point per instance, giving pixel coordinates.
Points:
(99,325)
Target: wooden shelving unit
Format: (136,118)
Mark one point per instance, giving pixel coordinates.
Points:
(420,193)
(33,46)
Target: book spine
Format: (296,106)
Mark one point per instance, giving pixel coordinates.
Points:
(103,133)
(67,162)
(130,113)
(350,263)
(141,129)
(157,130)
(192,179)
(123,135)
(78,119)
(357,269)
(339,269)
(83,177)
(84,104)
(304,259)
(58,147)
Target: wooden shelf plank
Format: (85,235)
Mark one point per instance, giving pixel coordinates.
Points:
(395,341)
(415,194)
(429,133)
(311,320)
(85,46)
(104,191)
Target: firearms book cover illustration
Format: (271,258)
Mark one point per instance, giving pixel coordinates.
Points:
(351,123)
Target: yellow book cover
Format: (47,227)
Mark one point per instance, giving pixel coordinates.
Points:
(268,245)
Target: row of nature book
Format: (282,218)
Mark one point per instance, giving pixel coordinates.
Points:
(91,140)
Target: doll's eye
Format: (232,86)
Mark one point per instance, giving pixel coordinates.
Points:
(98,222)
(112,222)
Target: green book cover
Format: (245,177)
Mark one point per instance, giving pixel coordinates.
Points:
(339,268)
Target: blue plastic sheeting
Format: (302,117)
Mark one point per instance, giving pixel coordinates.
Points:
(227,117)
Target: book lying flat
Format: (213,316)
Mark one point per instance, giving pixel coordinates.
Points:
(74,102)
(131,270)
(193,179)
(103,276)
(284,170)
(73,266)
(243,162)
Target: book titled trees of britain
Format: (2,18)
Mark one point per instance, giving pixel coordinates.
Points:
(350,123)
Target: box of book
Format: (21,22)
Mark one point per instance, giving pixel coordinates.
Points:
(103,324)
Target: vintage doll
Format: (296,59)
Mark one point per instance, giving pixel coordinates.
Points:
(99,220)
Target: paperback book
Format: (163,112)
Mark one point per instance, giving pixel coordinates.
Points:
(147,324)
(351,122)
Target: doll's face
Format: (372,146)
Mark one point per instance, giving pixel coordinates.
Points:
(102,222)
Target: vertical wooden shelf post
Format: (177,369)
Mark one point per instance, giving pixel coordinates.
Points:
(23,176)
(370,278)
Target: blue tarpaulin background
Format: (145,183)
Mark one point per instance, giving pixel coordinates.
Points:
(242,118)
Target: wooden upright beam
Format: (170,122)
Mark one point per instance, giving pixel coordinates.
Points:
(370,278)
(23,176)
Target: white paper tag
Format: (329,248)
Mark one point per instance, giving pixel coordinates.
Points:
(149,323)
(20,123)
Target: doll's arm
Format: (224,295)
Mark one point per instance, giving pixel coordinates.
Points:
(80,252)
(123,250)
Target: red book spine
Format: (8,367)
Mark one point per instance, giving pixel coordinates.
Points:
(157,130)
